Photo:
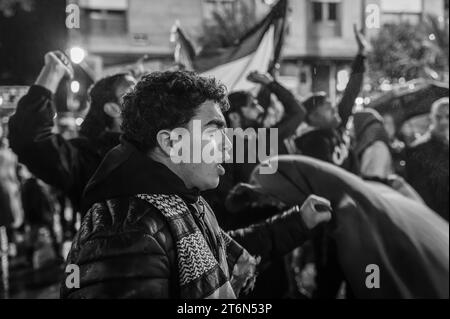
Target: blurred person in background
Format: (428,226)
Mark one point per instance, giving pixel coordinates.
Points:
(324,134)
(427,160)
(372,148)
(66,164)
(11,212)
(246,112)
(396,145)
(39,211)
(371,145)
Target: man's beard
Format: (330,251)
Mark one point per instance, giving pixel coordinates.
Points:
(254,124)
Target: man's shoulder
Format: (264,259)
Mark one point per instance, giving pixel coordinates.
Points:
(121,216)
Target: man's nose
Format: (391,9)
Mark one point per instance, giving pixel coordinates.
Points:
(260,109)
(227,146)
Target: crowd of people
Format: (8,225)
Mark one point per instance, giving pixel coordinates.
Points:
(151,227)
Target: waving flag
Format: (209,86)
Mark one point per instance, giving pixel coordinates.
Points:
(258,49)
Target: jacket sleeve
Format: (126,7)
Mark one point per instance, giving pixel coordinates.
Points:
(274,237)
(125,265)
(294,112)
(353,88)
(47,155)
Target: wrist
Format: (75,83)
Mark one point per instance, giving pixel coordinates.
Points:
(55,71)
(50,77)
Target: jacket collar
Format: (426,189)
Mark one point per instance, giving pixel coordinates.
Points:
(125,171)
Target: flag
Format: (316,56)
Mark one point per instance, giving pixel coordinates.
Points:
(259,49)
(184,50)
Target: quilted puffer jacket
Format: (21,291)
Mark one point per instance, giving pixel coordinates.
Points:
(125,248)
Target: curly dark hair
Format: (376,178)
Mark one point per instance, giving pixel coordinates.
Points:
(100,93)
(166,100)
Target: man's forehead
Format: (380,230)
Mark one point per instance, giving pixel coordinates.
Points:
(208,111)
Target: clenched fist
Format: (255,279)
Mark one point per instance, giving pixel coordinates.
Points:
(315,210)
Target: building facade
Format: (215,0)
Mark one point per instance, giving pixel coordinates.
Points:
(318,51)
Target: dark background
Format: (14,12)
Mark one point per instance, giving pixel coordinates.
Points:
(27,36)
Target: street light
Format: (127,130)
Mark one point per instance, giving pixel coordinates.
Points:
(77,55)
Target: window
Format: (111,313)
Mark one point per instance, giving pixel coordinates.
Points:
(326,16)
(395,18)
(326,10)
(104,17)
(105,22)
(401,11)
(333,11)
(317,11)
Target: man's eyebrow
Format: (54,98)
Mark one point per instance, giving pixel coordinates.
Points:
(217,122)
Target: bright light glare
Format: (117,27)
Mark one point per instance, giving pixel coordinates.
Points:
(75,86)
(77,55)
(79,121)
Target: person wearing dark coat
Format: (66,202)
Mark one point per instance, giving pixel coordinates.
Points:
(245,112)
(147,232)
(372,227)
(324,134)
(372,149)
(66,164)
(371,145)
(427,161)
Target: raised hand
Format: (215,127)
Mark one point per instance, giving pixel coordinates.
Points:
(363,44)
(260,78)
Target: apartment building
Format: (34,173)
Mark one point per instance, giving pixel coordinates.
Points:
(319,47)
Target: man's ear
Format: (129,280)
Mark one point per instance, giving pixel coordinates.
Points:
(235,119)
(164,141)
(112,110)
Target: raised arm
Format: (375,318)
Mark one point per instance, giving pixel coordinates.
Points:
(355,83)
(294,112)
(48,155)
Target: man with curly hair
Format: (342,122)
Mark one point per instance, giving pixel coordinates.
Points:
(147,232)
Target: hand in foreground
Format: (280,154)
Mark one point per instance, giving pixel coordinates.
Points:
(315,210)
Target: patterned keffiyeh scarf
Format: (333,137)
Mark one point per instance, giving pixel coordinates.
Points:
(201,273)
